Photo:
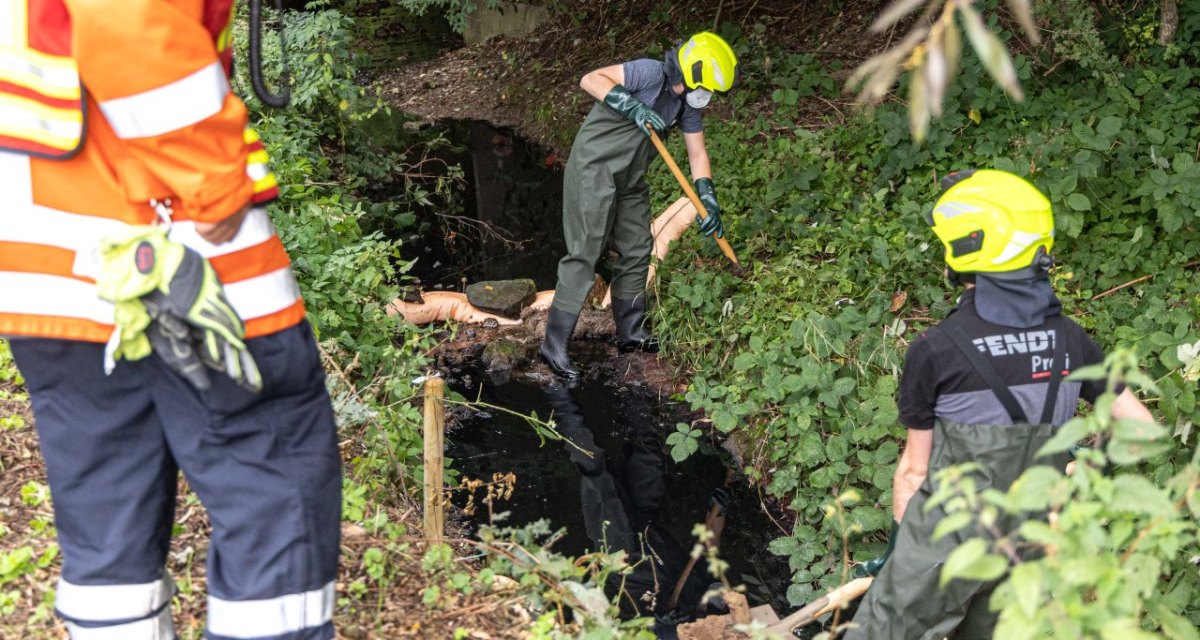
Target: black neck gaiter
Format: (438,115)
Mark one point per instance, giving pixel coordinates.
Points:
(1020,303)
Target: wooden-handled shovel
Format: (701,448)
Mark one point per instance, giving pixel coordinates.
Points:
(821,606)
(689,191)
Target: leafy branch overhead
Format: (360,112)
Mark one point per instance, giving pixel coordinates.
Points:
(932,51)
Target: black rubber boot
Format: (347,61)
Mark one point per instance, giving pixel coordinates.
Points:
(630,318)
(559,327)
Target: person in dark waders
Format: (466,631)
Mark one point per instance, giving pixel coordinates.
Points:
(985,385)
(605,192)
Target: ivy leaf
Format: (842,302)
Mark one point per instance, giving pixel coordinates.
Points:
(1069,183)
(843,386)
(783,546)
(592,599)
(971,561)
(886,453)
(799,594)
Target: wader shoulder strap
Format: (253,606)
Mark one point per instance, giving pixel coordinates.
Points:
(1001,390)
(988,372)
(1060,363)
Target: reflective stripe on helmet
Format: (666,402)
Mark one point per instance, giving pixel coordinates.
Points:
(708,61)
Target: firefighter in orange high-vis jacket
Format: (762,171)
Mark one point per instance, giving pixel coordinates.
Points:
(153,313)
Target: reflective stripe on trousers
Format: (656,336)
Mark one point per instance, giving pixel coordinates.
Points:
(265,466)
(272,617)
(98,603)
(155,628)
(118,611)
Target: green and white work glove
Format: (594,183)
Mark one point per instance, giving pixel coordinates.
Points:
(708,197)
(874,566)
(622,101)
(169,301)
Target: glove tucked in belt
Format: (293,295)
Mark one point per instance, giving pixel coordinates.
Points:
(168,300)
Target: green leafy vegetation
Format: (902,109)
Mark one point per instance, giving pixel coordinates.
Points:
(800,359)
(1107,561)
(347,194)
(456,12)
(334,228)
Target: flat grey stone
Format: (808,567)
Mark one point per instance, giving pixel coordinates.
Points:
(502,297)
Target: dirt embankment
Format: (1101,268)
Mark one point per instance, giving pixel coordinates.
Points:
(532,84)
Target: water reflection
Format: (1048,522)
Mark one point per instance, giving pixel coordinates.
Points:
(623,494)
(650,502)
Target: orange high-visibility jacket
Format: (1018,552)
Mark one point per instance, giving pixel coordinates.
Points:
(155,121)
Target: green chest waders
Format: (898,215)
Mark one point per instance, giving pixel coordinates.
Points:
(605,194)
(905,602)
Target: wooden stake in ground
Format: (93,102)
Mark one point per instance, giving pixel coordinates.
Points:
(435,390)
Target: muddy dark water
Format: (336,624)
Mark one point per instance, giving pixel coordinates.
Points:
(514,187)
(628,493)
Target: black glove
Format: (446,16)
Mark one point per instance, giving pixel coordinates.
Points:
(194,328)
(622,101)
(708,197)
(873,567)
(719,498)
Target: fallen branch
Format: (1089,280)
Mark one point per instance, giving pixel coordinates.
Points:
(1140,280)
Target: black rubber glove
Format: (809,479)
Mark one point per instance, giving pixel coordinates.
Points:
(720,498)
(873,567)
(622,101)
(708,197)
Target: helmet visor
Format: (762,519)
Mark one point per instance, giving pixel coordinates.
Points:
(699,98)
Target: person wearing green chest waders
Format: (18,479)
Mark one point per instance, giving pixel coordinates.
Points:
(605,195)
(985,385)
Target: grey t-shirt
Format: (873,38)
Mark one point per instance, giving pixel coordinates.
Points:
(646,80)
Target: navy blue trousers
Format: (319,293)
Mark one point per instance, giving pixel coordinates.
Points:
(266,467)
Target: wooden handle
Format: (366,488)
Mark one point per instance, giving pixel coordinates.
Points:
(688,190)
(817,608)
(713,511)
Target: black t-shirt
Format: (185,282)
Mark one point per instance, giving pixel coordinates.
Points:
(939,382)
